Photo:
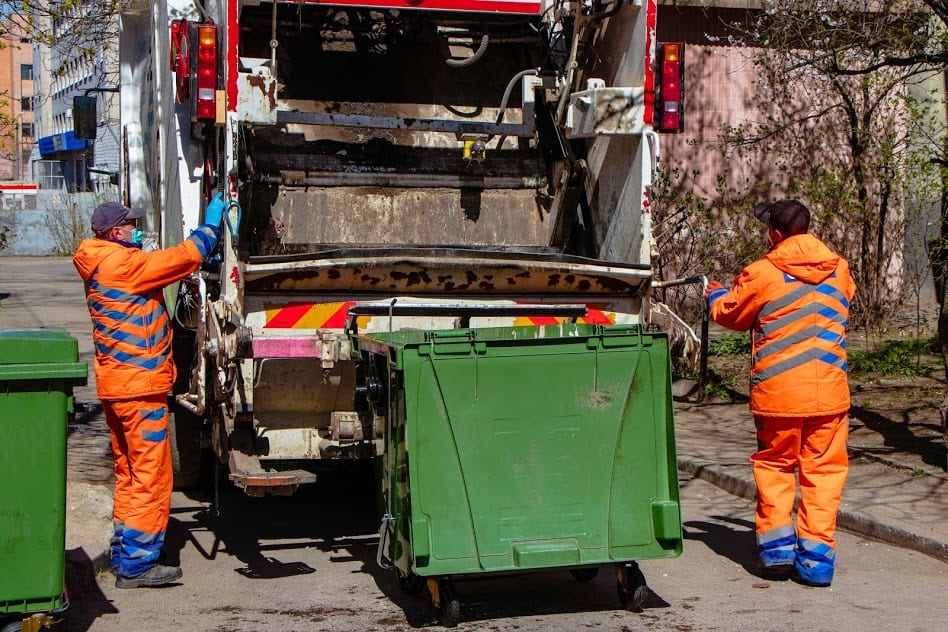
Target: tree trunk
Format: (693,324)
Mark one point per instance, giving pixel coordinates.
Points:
(938,256)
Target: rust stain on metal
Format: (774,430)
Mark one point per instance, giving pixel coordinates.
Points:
(410,278)
(444,276)
(260,83)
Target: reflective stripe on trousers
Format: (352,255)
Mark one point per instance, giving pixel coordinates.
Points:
(143,479)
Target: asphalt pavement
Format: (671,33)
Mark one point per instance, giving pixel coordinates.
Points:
(893,501)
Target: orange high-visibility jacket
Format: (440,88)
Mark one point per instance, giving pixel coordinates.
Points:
(796,302)
(131,327)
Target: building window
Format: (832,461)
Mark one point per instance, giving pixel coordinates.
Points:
(26,104)
(26,72)
(26,129)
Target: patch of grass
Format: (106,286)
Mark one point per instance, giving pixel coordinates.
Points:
(895,358)
(730,345)
(715,387)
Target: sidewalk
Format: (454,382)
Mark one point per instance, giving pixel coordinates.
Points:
(898,502)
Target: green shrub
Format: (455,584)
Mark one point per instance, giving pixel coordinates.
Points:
(895,357)
(730,345)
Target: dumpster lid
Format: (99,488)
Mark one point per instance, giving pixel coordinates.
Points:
(37,346)
(31,354)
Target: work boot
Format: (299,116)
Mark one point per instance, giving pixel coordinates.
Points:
(155,576)
(815,563)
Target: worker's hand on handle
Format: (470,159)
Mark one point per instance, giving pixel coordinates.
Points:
(713,291)
(214,214)
(711,287)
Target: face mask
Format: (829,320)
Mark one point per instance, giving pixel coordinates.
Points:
(137,236)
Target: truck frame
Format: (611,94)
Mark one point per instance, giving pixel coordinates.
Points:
(387,164)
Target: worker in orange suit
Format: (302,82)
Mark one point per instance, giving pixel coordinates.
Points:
(134,372)
(795,302)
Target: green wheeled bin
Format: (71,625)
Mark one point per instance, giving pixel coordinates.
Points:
(38,370)
(523,448)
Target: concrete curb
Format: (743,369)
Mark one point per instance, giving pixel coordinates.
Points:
(856,522)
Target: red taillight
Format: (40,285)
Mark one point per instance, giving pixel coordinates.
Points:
(205,92)
(671,96)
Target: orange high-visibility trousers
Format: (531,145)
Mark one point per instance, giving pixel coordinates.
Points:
(143,480)
(815,447)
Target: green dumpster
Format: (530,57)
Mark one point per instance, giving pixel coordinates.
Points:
(38,369)
(524,448)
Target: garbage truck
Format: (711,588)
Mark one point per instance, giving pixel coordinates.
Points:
(437,241)
(430,164)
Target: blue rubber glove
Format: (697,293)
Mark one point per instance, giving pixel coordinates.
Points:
(214,214)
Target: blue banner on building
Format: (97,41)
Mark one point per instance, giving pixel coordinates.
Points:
(51,145)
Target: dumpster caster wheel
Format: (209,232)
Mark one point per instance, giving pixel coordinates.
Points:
(446,601)
(583,575)
(633,592)
(11,626)
(408,582)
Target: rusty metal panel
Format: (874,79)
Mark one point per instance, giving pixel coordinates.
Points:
(447,271)
(256,97)
(601,111)
(391,216)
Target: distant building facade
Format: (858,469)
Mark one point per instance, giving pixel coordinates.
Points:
(17,131)
(63,71)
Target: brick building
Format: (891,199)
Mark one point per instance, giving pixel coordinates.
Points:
(17,132)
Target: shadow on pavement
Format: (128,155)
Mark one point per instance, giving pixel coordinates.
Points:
(898,436)
(338,514)
(81,585)
(729,537)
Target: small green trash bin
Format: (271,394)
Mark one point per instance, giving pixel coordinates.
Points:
(524,448)
(38,370)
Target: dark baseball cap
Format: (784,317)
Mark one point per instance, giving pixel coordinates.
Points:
(110,214)
(790,217)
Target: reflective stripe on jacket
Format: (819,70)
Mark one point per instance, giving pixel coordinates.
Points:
(796,302)
(131,326)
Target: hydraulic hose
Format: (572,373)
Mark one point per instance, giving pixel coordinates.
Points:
(455,62)
(509,89)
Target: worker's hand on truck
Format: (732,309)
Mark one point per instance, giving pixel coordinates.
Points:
(214,214)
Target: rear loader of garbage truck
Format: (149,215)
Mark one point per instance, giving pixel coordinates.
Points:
(469,155)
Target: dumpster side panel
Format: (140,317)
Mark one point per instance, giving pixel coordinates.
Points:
(34,400)
(644,473)
(539,451)
(33,507)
